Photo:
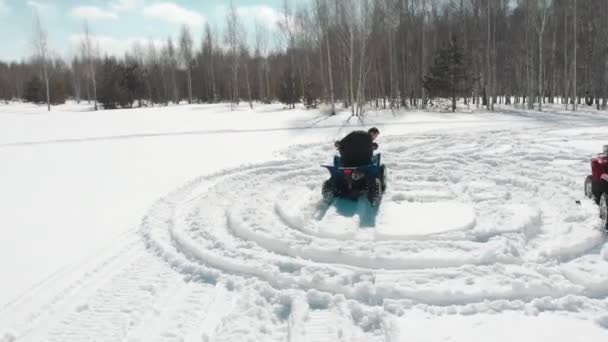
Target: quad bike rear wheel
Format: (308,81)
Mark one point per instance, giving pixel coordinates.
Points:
(329,190)
(374,192)
(604,211)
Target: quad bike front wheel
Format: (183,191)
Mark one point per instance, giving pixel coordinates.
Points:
(591,190)
(604,211)
(589,187)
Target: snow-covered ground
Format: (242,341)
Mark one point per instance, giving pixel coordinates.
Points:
(195,223)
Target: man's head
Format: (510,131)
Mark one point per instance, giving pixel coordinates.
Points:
(373,132)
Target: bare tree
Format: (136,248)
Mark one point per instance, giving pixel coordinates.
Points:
(41,47)
(233,39)
(261,42)
(574,80)
(542,8)
(209,56)
(489,94)
(171,60)
(323,15)
(287,26)
(139,57)
(424,14)
(90,52)
(77,77)
(151,65)
(244,52)
(357,22)
(367,24)
(186,54)
(566,72)
(166,75)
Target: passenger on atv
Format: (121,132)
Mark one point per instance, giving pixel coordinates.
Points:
(356,171)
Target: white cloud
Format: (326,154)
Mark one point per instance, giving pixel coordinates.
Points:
(4,7)
(40,6)
(112,46)
(125,5)
(172,13)
(92,13)
(265,15)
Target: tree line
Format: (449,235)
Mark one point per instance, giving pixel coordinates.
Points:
(354,54)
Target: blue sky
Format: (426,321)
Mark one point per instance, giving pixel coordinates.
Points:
(118,23)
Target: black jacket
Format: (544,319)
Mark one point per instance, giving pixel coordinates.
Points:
(356,149)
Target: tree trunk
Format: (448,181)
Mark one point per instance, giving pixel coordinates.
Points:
(329,73)
(453,91)
(566,73)
(75,78)
(174,84)
(423,51)
(293,74)
(261,96)
(94,91)
(189,75)
(322,70)
(248,87)
(540,64)
(46,83)
(488,85)
(574,80)
(351,62)
(268,98)
(213,88)
(390,67)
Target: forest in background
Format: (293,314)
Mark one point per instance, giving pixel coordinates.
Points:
(382,54)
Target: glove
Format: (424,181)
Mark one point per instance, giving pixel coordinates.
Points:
(337,144)
(375,146)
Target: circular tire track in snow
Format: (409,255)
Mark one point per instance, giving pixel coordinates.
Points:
(501,225)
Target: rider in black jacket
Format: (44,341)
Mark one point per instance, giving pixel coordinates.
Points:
(357,147)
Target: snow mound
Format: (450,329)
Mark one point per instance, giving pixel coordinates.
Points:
(412,220)
(507,327)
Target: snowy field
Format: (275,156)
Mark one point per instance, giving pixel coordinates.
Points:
(195,223)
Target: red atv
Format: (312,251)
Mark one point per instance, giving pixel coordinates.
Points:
(596,184)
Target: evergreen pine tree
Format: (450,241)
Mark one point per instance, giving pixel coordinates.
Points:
(34,91)
(57,91)
(109,91)
(310,93)
(287,93)
(132,82)
(449,75)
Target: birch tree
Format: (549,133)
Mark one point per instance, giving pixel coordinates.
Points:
(261,42)
(171,60)
(91,52)
(233,39)
(323,17)
(40,43)
(186,56)
(209,56)
(540,20)
(574,44)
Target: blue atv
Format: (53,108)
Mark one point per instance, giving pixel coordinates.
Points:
(352,182)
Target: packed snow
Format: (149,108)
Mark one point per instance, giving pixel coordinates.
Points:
(197,223)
